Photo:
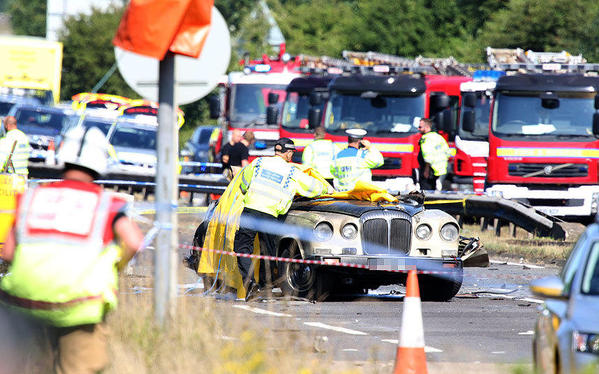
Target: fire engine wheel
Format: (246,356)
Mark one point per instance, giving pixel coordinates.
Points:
(300,280)
(440,287)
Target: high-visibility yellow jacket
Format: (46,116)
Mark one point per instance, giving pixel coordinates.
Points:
(352,165)
(64,266)
(270,183)
(319,156)
(435,152)
(20,155)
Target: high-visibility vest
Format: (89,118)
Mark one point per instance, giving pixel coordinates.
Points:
(352,164)
(319,156)
(20,155)
(270,183)
(435,152)
(64,266)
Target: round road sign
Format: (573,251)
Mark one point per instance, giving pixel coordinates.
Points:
(195,77)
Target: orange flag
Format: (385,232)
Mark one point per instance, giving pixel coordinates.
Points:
(153,27)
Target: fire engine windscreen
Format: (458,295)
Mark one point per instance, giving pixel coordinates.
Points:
(295,110)
(482,109)
(249,102)
(378,115)
(529,114)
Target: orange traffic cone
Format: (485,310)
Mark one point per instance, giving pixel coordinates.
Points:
(410,358)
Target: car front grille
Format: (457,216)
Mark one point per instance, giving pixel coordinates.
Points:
(386,232)
(547,170)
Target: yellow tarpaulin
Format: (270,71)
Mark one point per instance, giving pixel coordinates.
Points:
(10,186)
(225,221)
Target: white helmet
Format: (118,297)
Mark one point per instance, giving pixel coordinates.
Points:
(91,153)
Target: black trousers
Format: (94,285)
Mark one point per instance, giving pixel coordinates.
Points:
(254,222)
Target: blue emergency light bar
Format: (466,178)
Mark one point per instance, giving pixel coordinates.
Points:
(487,75)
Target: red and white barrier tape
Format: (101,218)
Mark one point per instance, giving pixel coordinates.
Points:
(310,262)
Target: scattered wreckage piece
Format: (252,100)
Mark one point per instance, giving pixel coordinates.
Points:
(519,214)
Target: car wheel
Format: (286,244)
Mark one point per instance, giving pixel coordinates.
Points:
(440,287)
(300,280)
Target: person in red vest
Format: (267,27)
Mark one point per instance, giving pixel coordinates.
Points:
(68,241)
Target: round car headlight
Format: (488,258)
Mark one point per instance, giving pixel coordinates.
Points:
(349,231)
(323,231)
(450,232)
(423,232)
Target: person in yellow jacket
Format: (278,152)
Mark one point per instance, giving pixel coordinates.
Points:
(268,185)
(63,256)
(433,156)
(14,149)
(354,163)
(319,154)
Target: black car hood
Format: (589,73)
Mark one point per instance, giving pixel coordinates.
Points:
(352,207)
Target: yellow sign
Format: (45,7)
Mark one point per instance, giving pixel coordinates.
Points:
(33,63)
(10,186)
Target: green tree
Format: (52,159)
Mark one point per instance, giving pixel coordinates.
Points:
(27,17)
(551,25)
(234,11)
(316,28)
(88,53)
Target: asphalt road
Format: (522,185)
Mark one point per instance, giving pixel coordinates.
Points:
(490,322)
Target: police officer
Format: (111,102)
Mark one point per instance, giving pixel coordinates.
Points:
(433,156)
(64,255)
(319,154)
(14,149)
(354,163)
(269,185)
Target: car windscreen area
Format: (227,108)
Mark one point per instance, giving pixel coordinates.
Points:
(104,126)
(134,137)
(5,108)
(590,280)
(35,122)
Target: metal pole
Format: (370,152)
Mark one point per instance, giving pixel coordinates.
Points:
(165,259)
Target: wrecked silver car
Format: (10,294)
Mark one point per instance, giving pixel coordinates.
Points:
(362,245)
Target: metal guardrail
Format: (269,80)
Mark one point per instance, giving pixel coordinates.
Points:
(201,183)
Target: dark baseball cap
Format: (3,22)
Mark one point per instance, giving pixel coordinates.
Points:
(284,145)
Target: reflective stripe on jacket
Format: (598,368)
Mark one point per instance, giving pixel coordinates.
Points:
(270,183)
(20,155)
(319,156)
(435,152)
(63,270)
(352,164)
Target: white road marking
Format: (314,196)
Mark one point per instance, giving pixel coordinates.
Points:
(350,350)
(335,328)
(498,352)
(530,299)
(529,332)
(531,266)
(427,349)
(261,311)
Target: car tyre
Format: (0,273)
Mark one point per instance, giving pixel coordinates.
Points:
(436,288)
(301,280)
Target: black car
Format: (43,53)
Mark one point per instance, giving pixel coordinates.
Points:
(197,149)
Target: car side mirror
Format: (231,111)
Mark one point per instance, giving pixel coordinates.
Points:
(469,99)
(315,98)
(314,117)
(596,124)
(272,114)
(468,119)
(273,98)
(214,106)
(548,287)
(439,101)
